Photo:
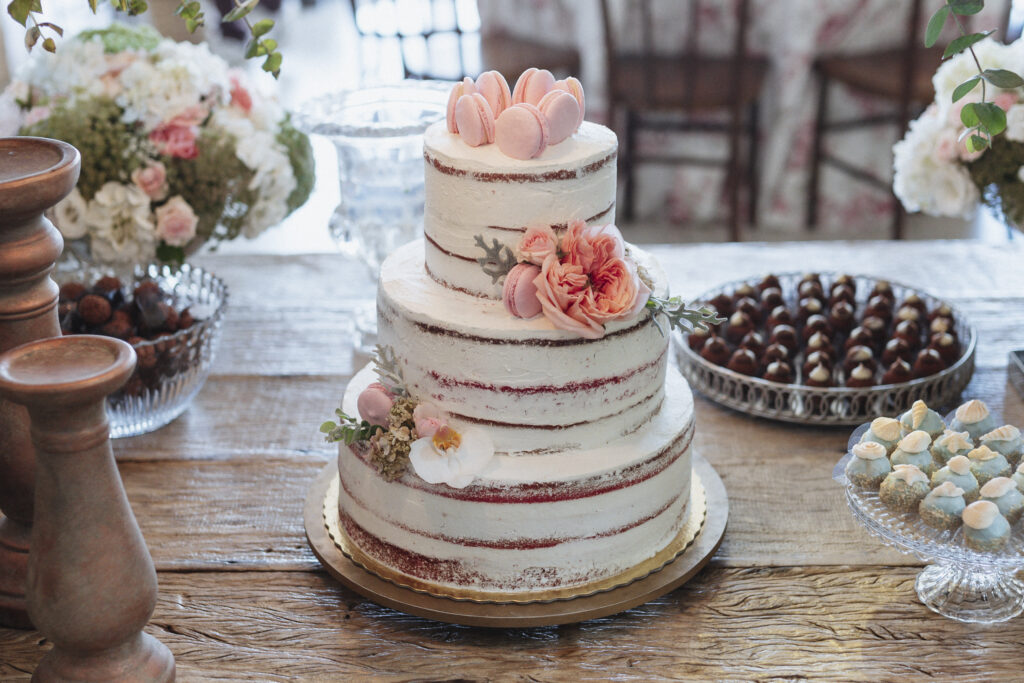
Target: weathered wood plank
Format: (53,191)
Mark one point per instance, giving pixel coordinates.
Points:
(727,624)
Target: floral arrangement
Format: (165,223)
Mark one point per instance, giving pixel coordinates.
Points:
(177,149)
(581,281)
(968,145)
(397,432)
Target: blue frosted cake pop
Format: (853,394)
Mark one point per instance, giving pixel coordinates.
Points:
(949,444)
(973,417)
(869,466)
(1006,440)
(913,450)
(985,530)
(921,417)
(904,488)
(1003,492)
(942,507)
(986,464)
(958,471)
(885,431)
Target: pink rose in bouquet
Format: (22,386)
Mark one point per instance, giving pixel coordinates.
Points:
(176,222)
(151,179)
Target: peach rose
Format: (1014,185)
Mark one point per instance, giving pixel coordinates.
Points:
(176,222)
(151,179)
(240,96)
(176,140)
(618,293)
(563,290)
(590,246)
(537,244)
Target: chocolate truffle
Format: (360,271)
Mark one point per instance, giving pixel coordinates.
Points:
(738,327)
(908,331)
(697,338)
(779,371)
(878,307)
(715,351)
(841,293)
(817,323)
(810,290)
(908,313)
(928,362)
(816,358)
(769,282)
(820,342)
(840,317)
(877,327)
(775,352)
(744,362)
(947,346)
(807,307)
(941,311)
(914,301)
(941,325)
(861,336)
(810,277)
(883,289)
(780,315)
(755,342)
(860,376)
(897,348)
(770,299)
(749,306)
(859,355)
(785,335)
(744,291)
(845,280)
(819,376)
(899,372)
(723,304)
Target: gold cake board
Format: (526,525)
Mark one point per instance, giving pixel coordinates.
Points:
(655,577)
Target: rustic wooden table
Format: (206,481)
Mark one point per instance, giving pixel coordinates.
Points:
(797,589)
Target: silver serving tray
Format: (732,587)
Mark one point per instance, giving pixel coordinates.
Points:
(832,405)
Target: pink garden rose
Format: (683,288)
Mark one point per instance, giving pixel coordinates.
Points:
(428,419)
(176,222)
(176,140)
(374,404)
(617,292)
(589,246)
(563,288)
(151,179)
(537,244)
(240,96)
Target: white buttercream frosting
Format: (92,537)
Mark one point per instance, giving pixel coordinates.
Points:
(862,372)
(819,374)
(972,411)
(465,198)
(959,464)
(911,474)
(869,450)
(982,453)
(886,428)
(955,442)
(980,514)
(915,442)
(947,489)
(1004,433)
(998,487)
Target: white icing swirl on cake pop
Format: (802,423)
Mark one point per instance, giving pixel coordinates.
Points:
(947,489)
(998,487)
(1004,433)
(980,514)
(915,442)
(959,464)
(982,453)
(918,412)
(819,374)
(869,450)
(911,474)
(954,441)
(886,428)
(972,411)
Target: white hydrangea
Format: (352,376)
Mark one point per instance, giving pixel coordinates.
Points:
(1015,123)
(121,225)
(69,216)
(10,115)
(928,177)
(74,71)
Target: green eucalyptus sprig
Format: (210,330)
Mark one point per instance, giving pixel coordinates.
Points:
(348,429)
(260,45)
(679,316)
(983,120)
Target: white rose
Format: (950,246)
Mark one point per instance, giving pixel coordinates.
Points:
(69,216)
(121,224)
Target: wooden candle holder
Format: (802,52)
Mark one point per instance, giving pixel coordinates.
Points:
(35,174)
(91,582)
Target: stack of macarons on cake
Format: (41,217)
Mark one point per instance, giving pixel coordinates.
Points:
(523,122)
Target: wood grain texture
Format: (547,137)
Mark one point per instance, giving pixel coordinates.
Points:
(797,590)
(829,623)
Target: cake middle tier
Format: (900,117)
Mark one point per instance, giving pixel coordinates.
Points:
(537,389)
(472,191)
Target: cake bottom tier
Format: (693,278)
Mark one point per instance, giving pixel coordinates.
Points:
(529,522)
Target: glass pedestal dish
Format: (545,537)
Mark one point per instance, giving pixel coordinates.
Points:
(958,582)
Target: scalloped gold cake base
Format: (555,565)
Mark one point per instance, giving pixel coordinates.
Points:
(684,557)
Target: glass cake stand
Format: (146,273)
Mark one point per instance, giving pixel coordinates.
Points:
(959,583)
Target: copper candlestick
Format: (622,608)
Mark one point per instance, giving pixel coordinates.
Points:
(91,582)
(35,174)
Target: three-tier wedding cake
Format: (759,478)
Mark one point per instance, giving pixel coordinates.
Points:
(517,431)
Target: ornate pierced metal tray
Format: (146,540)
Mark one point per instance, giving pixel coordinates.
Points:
(833,405)
(960,583)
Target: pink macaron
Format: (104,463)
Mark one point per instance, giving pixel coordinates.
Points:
(493,86)
(574,88)
(562,112)
(521,131)
(532,85)
(463,87)
(520,292)
(475,120)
